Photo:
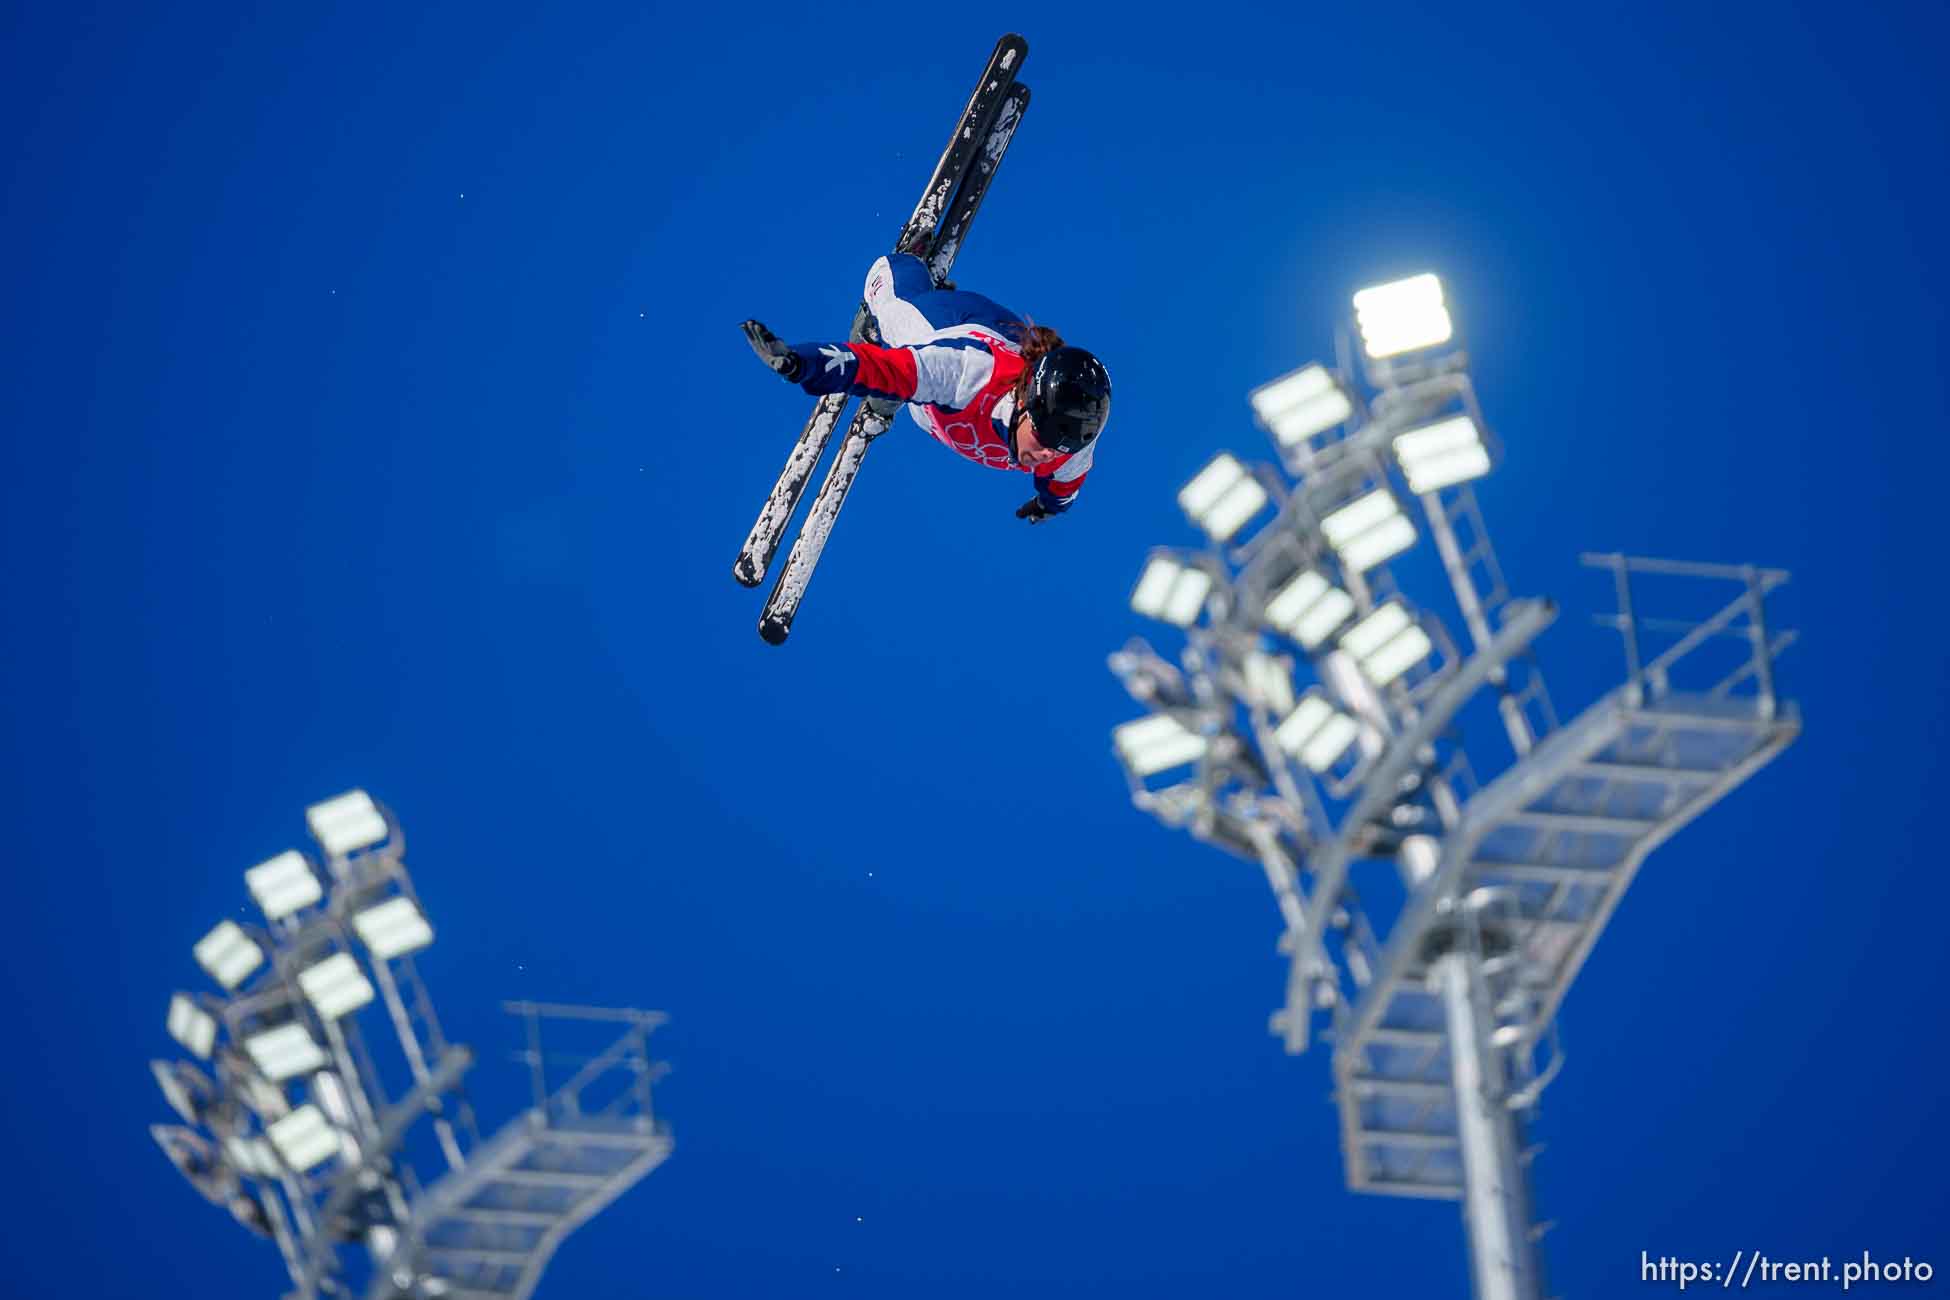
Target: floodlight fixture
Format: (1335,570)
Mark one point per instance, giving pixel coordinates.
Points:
(1270,682)
(1402,316)
(183,1088)
(1172,591)
(304,1139)
(328,1091)
(250,1156)
(1369,530)
(283,885)
(191,1025)
(1151,745)
(336,986)
(284,1052)
(1387,643)
(1222,497)
(228,954)
(393,929)
(1295,407)
(196,1160)
(1308,608)
(1316,732)
(265,1099)
(1442,454)
(346,824)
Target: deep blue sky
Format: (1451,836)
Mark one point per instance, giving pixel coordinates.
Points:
(375,414)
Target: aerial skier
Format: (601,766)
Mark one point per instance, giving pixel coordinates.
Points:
(991,385)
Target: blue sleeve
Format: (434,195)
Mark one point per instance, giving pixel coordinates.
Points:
(825,367)
(862,369)
(1046,494)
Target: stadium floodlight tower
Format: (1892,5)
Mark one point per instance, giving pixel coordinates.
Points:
(386,1191)
(1314,723)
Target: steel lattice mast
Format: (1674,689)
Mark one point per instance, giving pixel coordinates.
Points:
(389,1191)
(1313,723)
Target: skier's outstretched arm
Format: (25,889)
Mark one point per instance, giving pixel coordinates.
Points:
(946,372)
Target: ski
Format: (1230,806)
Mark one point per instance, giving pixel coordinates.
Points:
(964,146)
(970,134)
(954,227)
(763,542)
(876,416)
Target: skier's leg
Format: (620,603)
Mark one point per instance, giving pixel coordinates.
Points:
(894,283)
(948,307)
(907,307)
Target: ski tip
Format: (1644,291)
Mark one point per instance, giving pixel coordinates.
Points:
(773,631)
(746,572)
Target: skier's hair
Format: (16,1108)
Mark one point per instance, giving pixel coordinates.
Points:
(1033,341)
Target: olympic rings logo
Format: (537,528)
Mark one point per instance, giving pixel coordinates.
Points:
(966,439)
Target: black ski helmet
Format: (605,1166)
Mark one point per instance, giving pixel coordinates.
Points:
(1069,398)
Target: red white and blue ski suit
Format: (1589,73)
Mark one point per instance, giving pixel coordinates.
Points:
(952,357)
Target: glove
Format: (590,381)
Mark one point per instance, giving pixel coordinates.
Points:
(1035,511)
(785,363)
